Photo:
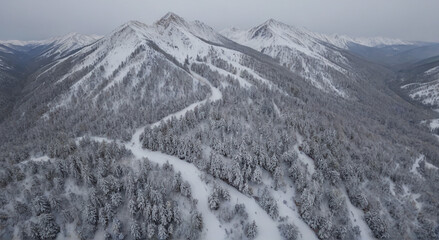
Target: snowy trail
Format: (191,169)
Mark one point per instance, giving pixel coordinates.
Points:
(216,95)
(289,210)
(357,219)
(191,174)
(267,227)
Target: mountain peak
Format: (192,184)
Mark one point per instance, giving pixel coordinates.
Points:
(129,27)
(171,18)
(264,30)
(76,38)
(271,21)
(274,23)
(132,24)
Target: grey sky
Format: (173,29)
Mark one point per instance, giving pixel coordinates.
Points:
(405,19)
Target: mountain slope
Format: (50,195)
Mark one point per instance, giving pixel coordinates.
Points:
(54,48)
(301,51)
(421,82)
(267,153)
(346,42)
(18,59)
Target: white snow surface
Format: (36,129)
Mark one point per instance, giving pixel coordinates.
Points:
(427,93)
(415,165)
(288,209)
(357,219)
(434,124)
(44,158)
(432,71)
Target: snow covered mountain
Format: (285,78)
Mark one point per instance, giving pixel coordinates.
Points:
(172,130)
(19,58)
(341,41)
(345,42)
(54,48)
(317,57)
(135,49)
(302,51)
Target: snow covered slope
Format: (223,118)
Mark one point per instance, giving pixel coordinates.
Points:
(421,82)
(320,58)
(135,49)
(56,47)
(62,46)
(343,41)
(301,51)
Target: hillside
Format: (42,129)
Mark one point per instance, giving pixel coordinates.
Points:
(174,131)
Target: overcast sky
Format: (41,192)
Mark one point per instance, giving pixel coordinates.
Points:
(405,19)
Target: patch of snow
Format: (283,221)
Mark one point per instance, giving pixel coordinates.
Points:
(430,166)
(357,219)
(413,197)
(427,93)
(276,108)
(288,209)
(391,186)
(434,124)
(309,163)
(432,71)
(415,166)
(44,158)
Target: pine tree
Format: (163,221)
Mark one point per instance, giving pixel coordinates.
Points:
(162,232)
(151,230)
(41,205)
(117,227)
(257,175)
(251,230)
(48,228)
(135,230)
(278,177)
(132,207)
(213,201)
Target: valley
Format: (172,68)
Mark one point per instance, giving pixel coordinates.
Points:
(173,130)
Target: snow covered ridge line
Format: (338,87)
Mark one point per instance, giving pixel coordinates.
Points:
(301,51)
(74,38)
(339,40)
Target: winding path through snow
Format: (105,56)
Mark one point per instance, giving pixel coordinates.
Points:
(267,227)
